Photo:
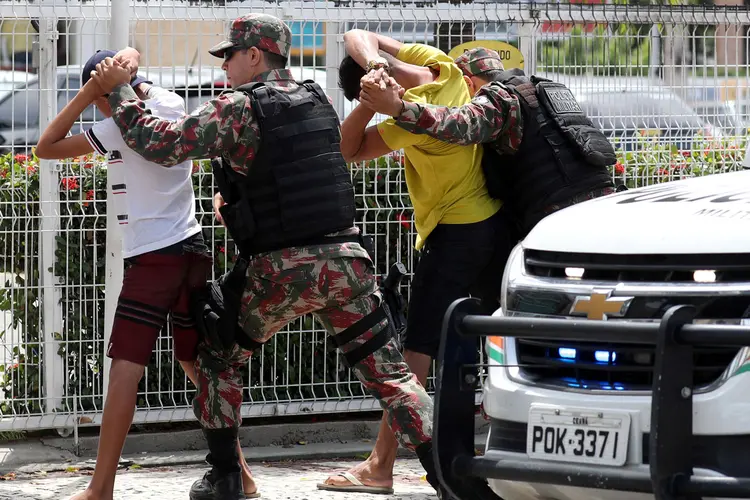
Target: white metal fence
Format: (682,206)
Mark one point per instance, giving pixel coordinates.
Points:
(670,85)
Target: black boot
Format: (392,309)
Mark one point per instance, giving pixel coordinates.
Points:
(224,480)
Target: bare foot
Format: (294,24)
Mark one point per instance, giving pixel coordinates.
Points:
(87,494)
(368,473)
(248,483)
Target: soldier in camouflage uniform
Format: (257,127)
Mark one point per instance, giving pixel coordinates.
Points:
(332,278)
(494,117)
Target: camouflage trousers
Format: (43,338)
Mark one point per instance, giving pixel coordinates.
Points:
(338,288)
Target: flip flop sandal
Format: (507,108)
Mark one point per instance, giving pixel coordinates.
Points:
(356,486)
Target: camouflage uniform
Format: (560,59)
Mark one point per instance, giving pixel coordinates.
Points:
(335,282)
(493,117)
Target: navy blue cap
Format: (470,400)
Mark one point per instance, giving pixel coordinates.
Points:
(98,57)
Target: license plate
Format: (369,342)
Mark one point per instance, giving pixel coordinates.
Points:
(566,434)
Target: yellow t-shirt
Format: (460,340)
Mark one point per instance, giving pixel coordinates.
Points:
(445,181)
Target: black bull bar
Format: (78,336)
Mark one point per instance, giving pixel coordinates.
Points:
(671,437)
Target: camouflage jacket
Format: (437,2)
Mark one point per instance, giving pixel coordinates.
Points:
(493,116)
(224,126)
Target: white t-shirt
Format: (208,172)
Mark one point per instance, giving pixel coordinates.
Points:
(155,204)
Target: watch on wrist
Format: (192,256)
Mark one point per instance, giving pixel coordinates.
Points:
(377,64)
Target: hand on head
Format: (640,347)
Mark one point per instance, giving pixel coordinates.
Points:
(111,73)
(381,93)
(377,76)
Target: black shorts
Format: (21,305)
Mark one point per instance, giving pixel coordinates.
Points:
(458,260)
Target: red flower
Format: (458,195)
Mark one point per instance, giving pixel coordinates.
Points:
(69,183)
(221,250)
(403,220)
(21,158)
(31,169)
(397,157)
(89,196)
(88,164)
(663,171)
(619,168)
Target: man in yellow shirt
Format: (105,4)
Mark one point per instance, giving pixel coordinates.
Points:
(458,224)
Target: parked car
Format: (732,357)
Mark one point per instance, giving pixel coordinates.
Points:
(722,109)
(723,101)
(625,113)
(13,79)
(722,116)
(625,108)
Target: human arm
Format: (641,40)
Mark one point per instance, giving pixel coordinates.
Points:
(364,46)
(218,203)
(358,141)
(53,144)
(492,116)
(219,127)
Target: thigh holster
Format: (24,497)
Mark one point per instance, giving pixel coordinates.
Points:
(215,309)
(391,310)
(357,354)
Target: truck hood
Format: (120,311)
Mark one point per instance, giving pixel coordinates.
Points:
(705,215)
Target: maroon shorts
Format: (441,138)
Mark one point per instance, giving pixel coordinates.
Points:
(155,285)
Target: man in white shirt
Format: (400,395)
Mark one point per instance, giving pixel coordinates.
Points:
(165,255)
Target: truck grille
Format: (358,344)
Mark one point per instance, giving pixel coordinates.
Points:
(587,365)
(638,268)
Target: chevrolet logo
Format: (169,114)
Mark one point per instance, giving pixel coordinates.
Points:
(600,305)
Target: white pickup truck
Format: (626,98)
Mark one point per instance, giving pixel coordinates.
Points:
(617,361)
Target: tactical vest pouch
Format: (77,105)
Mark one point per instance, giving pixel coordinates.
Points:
(300,207)
(576,127)
(222,183)
(213,314)
(240,223)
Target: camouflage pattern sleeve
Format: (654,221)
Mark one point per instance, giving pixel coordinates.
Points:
(224,126)
(492,116)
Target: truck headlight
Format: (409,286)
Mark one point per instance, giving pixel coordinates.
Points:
(513,269)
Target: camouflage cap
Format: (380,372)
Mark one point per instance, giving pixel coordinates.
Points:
(263,31)
(479,60)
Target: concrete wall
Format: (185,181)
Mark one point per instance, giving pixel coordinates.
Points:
(177,43)
(161,43)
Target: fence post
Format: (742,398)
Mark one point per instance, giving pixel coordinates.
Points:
(527,43)
(49,205)
(334,54)
(119,23)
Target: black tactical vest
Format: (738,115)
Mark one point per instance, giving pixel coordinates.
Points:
(298,189)
(562,154)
